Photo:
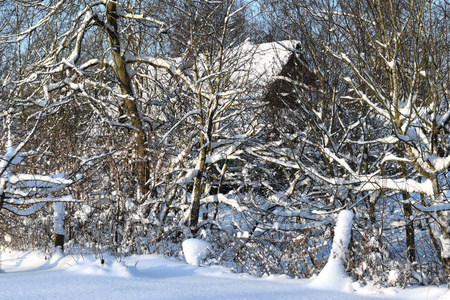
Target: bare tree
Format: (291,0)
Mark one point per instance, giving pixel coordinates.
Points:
(69,67)
(211,82)
(393,69)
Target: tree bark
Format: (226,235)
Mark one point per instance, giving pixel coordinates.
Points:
(198,188)
(410,238)
(59,242)
(445,241)
(58,220)
(443,225)
(407,213)
(131,107)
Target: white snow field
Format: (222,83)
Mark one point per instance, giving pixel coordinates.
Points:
(35,275)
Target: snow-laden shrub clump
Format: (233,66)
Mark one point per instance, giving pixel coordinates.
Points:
(195,251)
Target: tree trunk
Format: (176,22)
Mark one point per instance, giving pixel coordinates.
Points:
(58,220)
(2,192)
(410,238)
(445,241)
(333,274)
(443,225)
(407,213)
(198,189)
(205,144)
(132,110)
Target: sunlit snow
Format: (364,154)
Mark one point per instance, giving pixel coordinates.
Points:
(37,275)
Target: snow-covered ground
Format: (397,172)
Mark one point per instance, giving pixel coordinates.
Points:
(35,275)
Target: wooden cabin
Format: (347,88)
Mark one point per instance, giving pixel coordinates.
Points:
(282,93)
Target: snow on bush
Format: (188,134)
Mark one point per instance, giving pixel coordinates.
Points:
(95,267)
(333,276)
(195,251)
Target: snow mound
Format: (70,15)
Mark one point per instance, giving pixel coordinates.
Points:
(333,276)
(97,267)
(342,233)
(195,251)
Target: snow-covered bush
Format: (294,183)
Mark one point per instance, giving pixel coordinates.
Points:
(195,251)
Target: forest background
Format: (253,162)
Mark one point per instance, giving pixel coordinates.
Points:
(131,126)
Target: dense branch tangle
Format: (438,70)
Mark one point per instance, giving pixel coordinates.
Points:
(108,76)
(392,63)
(73,69)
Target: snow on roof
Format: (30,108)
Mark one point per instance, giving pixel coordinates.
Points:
(246,64)
(268,59)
